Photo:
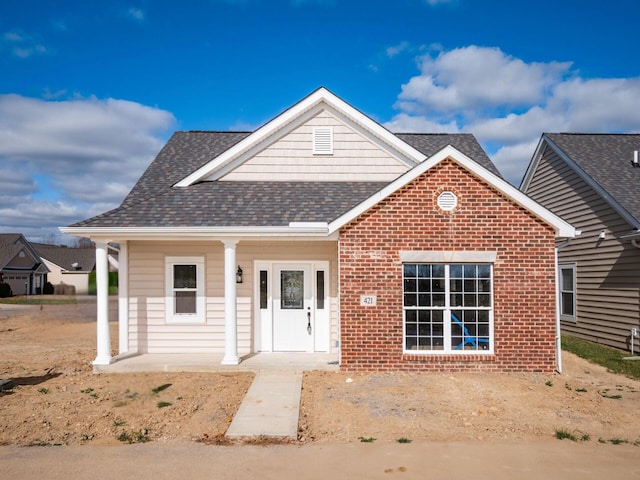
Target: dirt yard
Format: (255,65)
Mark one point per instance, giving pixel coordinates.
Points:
(56,399)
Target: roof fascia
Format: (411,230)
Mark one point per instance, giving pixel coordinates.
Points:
(562,228)
(630,219)
(280,124)
(24,243)
(50,263)
(295,231)
(533,164)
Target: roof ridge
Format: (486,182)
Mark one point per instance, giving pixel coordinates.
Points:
(214,131)
(593,134)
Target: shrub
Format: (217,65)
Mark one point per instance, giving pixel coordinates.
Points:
(5,290)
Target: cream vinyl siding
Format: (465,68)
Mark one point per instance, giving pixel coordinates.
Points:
(354,158)
(56,276)
(149,331)
(608,279)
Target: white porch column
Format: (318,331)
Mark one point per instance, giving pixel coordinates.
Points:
(230,305)
(102,292)
(123,298)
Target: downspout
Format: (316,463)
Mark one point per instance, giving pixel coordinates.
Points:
(558,338)
(339,341)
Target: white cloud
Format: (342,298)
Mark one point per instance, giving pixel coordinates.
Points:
(477,77)
(508,103)
(403,123)
(512,160)
(434,3)
(397,49)
(136,14)
(22,45)
(90,152)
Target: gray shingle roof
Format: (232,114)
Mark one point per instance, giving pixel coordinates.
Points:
(241,204)
(9,247)
(431,143)
(607,159)
(184,153)
(65,257)
(154,203)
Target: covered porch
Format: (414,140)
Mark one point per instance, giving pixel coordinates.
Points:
(235,305)
(199,362)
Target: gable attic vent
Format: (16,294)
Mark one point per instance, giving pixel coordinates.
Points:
(447,201)
(323,140)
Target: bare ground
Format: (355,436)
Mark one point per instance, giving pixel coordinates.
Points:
(56,399)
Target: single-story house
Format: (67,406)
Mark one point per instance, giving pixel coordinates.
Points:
(593,182)
(322,231)
(20,265)
(69,268)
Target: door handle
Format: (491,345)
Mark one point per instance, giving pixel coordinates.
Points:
(309,320)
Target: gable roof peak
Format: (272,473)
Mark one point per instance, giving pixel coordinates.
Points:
(561,228)
(318,100)
(603,160)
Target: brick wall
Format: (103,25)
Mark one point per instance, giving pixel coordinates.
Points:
(484,220)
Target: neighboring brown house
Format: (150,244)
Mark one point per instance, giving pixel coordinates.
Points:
(20,265)
(322,231)
(593,182)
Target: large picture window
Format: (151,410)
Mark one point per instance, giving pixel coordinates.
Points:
(567,285)
(185,289)
(448,308)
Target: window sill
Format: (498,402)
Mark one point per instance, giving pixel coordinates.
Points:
(431,357)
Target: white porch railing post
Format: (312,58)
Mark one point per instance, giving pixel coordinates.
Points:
(123,298)
(102,306)
(230,305)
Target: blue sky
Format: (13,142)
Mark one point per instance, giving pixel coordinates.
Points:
(90,91)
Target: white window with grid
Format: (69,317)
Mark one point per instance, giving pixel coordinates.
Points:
(447,308)
(567,285)
(185,298)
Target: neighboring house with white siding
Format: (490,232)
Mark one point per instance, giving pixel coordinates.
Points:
(69,268)
(321,231)
(593,182)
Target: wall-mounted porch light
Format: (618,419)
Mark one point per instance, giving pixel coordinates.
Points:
(239,275)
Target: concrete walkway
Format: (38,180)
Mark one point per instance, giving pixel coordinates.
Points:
(270,408)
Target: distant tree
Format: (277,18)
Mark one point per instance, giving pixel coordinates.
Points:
(85,243)
(50,238)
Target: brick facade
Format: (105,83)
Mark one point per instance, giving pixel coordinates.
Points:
(484,220)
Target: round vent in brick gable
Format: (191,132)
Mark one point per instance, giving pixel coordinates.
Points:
(447,201)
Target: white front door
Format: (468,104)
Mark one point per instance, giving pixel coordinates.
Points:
(292,308)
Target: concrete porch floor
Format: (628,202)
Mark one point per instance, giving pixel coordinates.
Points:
(257,362)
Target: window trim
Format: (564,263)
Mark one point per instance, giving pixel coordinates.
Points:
(182,318)
(574,291)
(447,309)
